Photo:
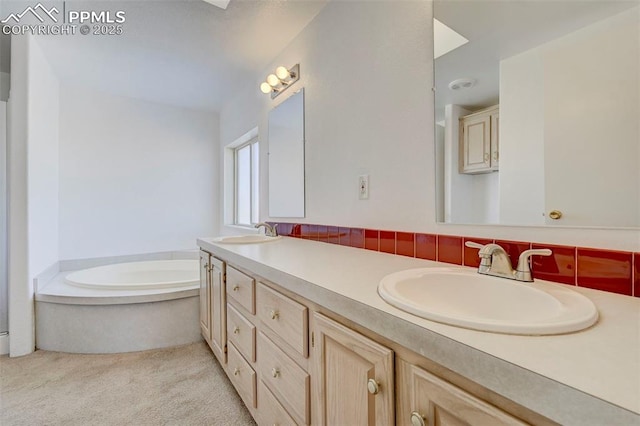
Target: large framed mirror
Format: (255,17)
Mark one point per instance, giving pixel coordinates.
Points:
(538,112)
(286,158)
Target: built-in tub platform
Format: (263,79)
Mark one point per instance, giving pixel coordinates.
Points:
(81,319)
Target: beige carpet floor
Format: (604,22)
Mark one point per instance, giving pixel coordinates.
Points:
(177,386)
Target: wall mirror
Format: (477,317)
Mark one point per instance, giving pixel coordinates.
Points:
(286,158)
(537,112)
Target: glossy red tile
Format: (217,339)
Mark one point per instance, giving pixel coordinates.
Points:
(388,242)
(513,249)
(345,236)
(470,255)
(560,267)
(426,246)
(357,238)
(636,274)
(333,235)
(605,270)
(405,244)
(306,231)
(371,239)
(450,249)
(284,229)
(323,233)
(296,230)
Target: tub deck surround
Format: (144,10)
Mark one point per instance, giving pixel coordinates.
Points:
(589,377)
(607,270)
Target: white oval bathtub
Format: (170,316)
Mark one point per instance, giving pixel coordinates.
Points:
(156,274)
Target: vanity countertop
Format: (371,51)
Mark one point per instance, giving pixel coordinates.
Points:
(588,377)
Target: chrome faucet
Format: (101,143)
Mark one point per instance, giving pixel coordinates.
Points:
(269,231)
(495,261)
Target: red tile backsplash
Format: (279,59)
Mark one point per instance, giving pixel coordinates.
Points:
(426,246)
(513,249)
(405,244)
(607,270)
(469,254)
(559,267)
(371,241)
(345,236)
(636,274)
(450,249)
(388,242)
(357,238)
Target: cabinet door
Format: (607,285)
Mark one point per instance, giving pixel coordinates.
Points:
(495,140)
(205,296)
(424,399)
(475,143)
(352,377)
(218,303)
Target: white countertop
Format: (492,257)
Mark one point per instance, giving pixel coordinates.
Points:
(588,377)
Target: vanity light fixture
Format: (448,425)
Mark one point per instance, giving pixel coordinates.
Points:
(281,80)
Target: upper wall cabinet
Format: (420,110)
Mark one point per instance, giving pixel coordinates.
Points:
(479,141)
(286,158)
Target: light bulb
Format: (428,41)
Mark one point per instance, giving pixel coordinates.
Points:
(282,73)
(265,87)
(273,80)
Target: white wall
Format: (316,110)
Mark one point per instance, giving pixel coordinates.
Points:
(33,184)
(366,71)
(4,86)
(4,305)
(135,176)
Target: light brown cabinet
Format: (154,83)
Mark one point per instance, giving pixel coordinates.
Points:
(424,399)
(213,312)
(352,375)
(479,141)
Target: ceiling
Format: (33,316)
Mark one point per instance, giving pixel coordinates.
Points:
(188,53)
(498,30)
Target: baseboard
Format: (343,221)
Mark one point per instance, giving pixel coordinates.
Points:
(4,344)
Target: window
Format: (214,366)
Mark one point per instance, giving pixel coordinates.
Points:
(246,165)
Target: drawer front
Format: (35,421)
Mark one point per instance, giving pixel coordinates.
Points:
(242,376)
(242,333)
(286,317)
(288,382)
(241,290)
(269,409)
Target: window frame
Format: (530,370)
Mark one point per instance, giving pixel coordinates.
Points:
(254,202)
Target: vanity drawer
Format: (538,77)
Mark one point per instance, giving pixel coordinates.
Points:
(271,411)
(284,316)
(241,289)
(242,333)
(242,376)
(288,382)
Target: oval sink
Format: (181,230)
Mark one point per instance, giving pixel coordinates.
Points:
(480,302)
(245,239)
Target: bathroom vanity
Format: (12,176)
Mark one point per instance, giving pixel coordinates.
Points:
(301,332)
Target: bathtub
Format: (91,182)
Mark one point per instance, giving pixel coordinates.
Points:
(120,307)
(156,274)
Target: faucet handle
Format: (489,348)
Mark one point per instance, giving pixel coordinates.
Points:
(473,244)
(274,230)
(523,270)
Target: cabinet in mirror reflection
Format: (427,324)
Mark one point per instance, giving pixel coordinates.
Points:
(286,158)
(565,77)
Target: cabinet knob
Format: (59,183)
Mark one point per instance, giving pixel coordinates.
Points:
(236,288)
(236,330)
(555,214)
(373,387)
(417,419)
(275,372)
(274,315)
(236,371)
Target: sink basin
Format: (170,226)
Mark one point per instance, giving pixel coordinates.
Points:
(480,302)
(246,239)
